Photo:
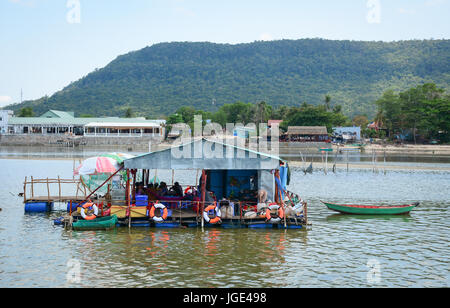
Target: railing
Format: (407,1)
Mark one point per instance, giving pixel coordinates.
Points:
(240,208)
(30,185)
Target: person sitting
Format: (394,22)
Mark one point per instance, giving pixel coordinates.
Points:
(262,198)
(227,208)
(177,189)
(162,190)
(140,190)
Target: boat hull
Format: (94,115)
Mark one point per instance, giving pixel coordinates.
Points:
(226,224)
(371,210)
(105,223)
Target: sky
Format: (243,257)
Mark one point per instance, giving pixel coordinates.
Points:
(47,44)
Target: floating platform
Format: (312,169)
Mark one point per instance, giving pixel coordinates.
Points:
(39,207)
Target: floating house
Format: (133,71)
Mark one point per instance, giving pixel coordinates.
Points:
(235,188)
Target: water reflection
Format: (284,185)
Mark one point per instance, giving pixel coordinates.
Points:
(412,250)
(348,218)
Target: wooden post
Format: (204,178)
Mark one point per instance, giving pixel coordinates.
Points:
(280,191)
(180,214)
(347,161)
(32,188)
(127,198)
(335,160)
(202,206)
(25,190)
(59,186)
(321,157)
(305,208)
(48,191)
(240,212)
(133,189)
(78,188)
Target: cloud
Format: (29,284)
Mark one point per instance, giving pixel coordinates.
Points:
(5,100)
(28,3)
(184,11)
(406,11)
(435,2)
(266,37)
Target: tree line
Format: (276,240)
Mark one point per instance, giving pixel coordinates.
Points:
(417,114)
(420,113)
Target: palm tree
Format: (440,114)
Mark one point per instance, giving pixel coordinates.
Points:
(328,102)
(129,113)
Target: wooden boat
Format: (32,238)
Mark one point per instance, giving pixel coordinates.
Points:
(371,209)
(103,223)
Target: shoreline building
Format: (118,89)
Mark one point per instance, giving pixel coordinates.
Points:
(60,123)
(5,115)
(347,134)
(306,134)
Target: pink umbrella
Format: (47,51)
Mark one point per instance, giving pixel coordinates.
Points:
(97,165)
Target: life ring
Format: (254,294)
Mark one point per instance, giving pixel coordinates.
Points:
(85,208)
(279,216)
(217,214)
(163,213)
(186,191)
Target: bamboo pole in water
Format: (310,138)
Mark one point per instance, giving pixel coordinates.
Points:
(347,162)
(25,190)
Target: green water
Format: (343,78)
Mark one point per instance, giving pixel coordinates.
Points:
(407,250)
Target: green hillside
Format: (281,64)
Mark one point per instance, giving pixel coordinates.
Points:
(158,80)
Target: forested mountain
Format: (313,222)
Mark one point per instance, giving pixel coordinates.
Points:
(159,79)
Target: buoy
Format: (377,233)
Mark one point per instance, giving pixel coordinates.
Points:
(215,213)
(163,213)
(276,217)
(89,216)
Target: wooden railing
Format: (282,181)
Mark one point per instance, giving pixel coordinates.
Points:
(29,189)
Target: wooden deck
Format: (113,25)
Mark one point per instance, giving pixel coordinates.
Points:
(62,199)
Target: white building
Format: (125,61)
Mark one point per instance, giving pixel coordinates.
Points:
(5,115)
(56,122)
(348,134)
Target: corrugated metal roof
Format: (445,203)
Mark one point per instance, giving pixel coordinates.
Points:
(272,122)
(123,125)
(204,154)
(307,130)
(76,121)
(58,114)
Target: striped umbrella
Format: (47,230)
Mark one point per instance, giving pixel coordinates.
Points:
(97,165)
(119,157)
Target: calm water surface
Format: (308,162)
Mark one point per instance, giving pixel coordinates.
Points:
(410,250)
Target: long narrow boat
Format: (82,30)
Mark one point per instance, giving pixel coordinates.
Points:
(371,209)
